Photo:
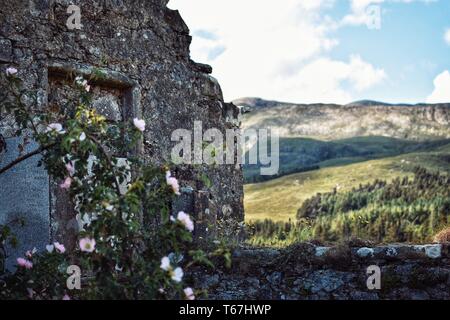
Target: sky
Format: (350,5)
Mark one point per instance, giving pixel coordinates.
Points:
(329,51)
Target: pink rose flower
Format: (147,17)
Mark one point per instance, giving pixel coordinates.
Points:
(24,263)
(139,124)
(65,185)
(189,293)
(87,245)
(59,247)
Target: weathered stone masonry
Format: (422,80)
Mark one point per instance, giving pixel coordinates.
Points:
(143,48)
(309,272)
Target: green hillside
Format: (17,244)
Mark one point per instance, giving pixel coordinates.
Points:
(328,148)
(403,210)
(280,199)
(302,154)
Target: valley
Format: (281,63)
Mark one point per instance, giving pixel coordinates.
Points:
(330,148)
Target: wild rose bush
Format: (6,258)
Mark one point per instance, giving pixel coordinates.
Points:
(129,244)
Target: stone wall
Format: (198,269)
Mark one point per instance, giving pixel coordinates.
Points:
(143,48)
(308,272)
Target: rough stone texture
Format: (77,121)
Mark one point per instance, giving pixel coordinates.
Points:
(331,122)
(26,198)
(5,50)
(143,47)
(305,272)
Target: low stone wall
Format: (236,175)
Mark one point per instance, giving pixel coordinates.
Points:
(309,272)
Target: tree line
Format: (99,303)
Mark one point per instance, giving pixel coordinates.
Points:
(403,210)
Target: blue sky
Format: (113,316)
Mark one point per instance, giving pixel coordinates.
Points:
(338,51)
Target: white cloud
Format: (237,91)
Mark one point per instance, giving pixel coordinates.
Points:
(272,50)
(441,93)
(361,15)
(447,36)
(363,12)
(322,81)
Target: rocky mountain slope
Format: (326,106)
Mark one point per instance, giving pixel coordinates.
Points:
(363,118)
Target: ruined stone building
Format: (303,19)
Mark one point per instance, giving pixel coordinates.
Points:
(143,48)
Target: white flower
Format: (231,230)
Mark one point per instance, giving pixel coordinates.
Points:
(56,127)
(82,83)
(82,137)
(11,71)
(165,264)
(177,275)
(189,293)
(173,182)
(50,248)
(139,124)
(185,219)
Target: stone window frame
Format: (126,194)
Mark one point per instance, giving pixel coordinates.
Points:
(113,79)
(131,108)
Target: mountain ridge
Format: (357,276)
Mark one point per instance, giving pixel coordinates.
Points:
(361,118)
(258,103)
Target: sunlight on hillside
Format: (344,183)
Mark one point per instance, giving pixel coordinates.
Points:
(280,199)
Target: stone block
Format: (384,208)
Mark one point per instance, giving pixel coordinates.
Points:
(24,194)
(5,50)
